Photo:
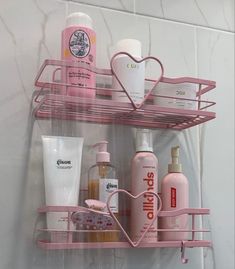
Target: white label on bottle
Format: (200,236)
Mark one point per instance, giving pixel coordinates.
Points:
(79,44)
(131,75)
(106,187)
(184,90)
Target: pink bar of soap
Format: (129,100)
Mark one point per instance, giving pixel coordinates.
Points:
(95,204)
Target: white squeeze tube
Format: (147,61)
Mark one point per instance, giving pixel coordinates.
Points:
(62,167)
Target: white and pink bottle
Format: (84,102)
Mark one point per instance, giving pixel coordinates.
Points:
(79,45)
(175,195)
(144,177)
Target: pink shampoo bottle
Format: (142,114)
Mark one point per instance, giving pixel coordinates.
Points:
(79,45)
(144,177)
(175,195)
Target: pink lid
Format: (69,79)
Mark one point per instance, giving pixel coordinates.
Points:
(102,156)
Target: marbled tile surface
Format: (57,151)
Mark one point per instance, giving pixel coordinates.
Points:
(218,14)
(30,32)
(215,51)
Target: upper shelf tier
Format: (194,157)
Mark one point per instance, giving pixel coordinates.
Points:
(102,109)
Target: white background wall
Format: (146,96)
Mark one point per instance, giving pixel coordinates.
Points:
(198,43)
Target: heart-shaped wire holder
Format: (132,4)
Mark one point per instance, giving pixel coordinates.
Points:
(157,210)
(133,59)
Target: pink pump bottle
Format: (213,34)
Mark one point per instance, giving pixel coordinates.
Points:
(175,195)
(79,45)
(144,169)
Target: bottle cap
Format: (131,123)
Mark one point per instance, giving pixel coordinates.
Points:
(131,46)
(102,156)
(79,19)
(144,141)
(175,166)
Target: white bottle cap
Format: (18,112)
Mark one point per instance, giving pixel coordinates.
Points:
(79,18)
(175,166)
(144,141)
(131,46)
(102,156)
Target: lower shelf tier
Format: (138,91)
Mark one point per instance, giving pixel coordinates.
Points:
(73,237)
(105,245)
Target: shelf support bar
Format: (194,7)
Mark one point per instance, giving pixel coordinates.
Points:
(193,227)
(183,259)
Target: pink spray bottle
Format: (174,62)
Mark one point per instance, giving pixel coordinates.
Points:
(144,177)
(175,195)
(79,45)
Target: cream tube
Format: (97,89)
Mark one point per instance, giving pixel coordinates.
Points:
(62,167)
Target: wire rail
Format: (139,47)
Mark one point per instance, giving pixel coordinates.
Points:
(103,110)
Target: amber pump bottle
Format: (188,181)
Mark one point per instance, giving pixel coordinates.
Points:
(102,181)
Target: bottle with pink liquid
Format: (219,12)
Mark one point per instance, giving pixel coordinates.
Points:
(175,195)
(144,177)
(79,45)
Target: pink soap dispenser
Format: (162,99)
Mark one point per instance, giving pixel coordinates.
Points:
(175,195)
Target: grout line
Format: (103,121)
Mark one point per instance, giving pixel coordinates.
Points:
(66,8)
(202,261)
(151,17)
(196,51)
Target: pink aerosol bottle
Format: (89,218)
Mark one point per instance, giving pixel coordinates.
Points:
(175,195)
(79,45)
(144,177)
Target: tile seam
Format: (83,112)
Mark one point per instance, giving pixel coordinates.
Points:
(151,17)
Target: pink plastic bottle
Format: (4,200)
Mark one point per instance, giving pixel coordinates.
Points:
(79,45)
(175,195)
(144,177)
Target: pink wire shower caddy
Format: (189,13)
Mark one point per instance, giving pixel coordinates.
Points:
(50,103)
(124,244)
(103,110)
(72,243)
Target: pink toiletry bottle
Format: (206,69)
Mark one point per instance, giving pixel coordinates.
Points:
(79,45)
(175,195)
(144,169)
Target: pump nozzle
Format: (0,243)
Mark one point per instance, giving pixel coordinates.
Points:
(102,155)
(144,140)
(175,166)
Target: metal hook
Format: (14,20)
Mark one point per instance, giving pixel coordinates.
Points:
(183,259)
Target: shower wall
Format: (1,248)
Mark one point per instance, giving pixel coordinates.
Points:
(192,38)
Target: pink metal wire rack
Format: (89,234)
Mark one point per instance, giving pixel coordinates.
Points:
(78,242)
(103,110)
(50,103)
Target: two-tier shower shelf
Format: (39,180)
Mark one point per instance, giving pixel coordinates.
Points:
(49,103)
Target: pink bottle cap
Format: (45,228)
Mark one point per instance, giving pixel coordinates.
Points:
(102,156)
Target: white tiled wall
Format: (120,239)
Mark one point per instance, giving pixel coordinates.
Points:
(215,54)
(218,14)
(30,32)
